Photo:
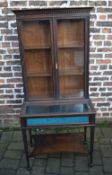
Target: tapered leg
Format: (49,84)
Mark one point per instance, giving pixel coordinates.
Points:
(24,134)
(85,134)
(92,130)
(30,137)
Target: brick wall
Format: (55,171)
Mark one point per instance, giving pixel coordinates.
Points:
(11,85)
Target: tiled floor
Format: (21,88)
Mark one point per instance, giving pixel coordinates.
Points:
(12,158)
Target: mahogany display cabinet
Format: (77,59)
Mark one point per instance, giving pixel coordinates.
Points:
(54,48)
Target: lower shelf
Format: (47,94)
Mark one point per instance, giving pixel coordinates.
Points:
(54,143)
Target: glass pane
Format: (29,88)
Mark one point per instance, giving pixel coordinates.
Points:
(36,34)
(70,37)
(39,87)
(73,108)
(71,61)
(38,62)
(36,38)
(70,33)
(71,85)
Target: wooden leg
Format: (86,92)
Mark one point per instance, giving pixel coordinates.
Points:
(24,134)
(30,137)
(85,134)
(92,130)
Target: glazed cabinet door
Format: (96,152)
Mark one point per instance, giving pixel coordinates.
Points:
(36,40)
(70,54)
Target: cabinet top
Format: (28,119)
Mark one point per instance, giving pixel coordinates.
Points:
(50,11)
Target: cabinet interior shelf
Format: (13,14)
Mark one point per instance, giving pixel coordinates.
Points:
(72,72)
(37,47)
(59,47)
(68,46)
(61,73)
(39,75)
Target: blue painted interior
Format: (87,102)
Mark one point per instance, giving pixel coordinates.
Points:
(58,120)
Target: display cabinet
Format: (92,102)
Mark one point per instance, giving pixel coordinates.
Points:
(54,48)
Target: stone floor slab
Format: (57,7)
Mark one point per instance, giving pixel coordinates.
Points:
(66,171)
(13,154)
(81,163)
(39,162)
(81,173)
(3,147)
(17,136)
(97,158)
(57,155)
(107,163)
(96,170)
(6,136)
(67,159)
(23,163)
(98,134)
(106,150)
(107,132)
(23,171)
(9,163)
(7,172)
(16,146)
(38,171)
(53,165)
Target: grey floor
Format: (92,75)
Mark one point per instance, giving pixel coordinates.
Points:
(12,158)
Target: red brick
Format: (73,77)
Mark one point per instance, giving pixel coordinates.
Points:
(7,86)
(109,37)
(15,44)
(108,55)
(3,3)
(6,74)
(107,83)
(98,43)
(109,16)
(99,37)
(6,31)
(110,3)
(1,81)
(38,3)
(9,91)
(11,51)
(104,10)
(104,49)
(103,61)
(1,102)
(1,63)
(5,44)
(106,30)
(18,3)
(14,80)
(3,25)
(11,38)
(6,96)
(102,17)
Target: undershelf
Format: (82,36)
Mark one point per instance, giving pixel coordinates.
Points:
(55,143)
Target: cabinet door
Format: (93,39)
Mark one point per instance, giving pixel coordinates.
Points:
(70,49)
(37,58)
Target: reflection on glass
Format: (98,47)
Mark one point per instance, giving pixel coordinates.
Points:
(57,108)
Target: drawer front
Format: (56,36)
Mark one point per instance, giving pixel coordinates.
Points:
(57,121)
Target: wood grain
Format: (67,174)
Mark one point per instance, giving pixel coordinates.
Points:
(54,143)
(40,87)
(36,33)
(38,61)
(70,32)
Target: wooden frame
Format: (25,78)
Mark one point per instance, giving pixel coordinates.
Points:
(58,42)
